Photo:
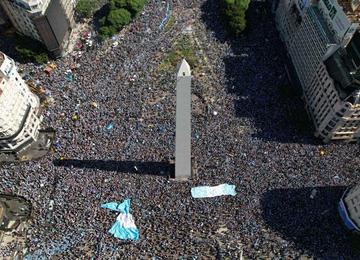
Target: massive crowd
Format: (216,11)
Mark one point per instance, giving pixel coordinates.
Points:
(242,135)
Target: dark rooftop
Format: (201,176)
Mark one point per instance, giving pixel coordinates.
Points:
(344,68)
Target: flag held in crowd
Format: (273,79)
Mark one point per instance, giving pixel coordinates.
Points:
(124,226)
(208,192)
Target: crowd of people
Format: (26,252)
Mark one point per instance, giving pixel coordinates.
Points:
(242,135)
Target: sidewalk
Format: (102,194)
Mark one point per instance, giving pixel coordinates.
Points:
(75,36)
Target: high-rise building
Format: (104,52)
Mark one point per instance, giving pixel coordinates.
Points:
(47,21)
(324,47)
(19,117)
(3,17)
(349,208)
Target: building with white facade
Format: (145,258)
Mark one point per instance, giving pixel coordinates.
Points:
(349,208)
(324,46)
(19,117)
(47,21)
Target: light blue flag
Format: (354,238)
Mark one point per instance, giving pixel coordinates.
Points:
(120,207)
(124,226)
(209,192)
(110,126)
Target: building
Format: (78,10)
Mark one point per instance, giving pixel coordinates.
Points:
(321,42)
(349,208)
(13,211)
(19,117)
(351,9)
(3,17)
(47,21)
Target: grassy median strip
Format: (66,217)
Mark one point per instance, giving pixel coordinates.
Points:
(182,48)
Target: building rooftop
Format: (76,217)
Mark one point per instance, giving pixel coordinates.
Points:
(29,5)
(351,10)
(344,68)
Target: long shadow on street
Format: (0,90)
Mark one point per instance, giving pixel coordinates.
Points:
(256,75)
(313,224)
(136,167)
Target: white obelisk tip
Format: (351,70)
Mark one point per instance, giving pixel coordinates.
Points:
(184,69)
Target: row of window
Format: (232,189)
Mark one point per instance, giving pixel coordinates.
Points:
(23,22)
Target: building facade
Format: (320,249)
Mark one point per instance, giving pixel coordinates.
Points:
(13,211)
(3,17)
(19,117)
(349,208)
(47,21)
(321,41)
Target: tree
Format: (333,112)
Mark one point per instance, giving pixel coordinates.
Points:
(41,58)
(116,4)
(234,14)
(30,55)
(242,4)
(104,32)
(119,14)
(103,21)
(119,18)
(86,8)
(30,50)
(135,6)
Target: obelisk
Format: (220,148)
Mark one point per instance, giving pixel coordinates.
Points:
(183,122)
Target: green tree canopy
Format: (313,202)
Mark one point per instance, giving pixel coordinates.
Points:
(119,18)
(30,50)
(86,8)
(135,6)
(104,32)
(243,4)
(119,14)
(234,14)
(116,4)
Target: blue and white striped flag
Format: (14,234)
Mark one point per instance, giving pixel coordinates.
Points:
(124,226)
